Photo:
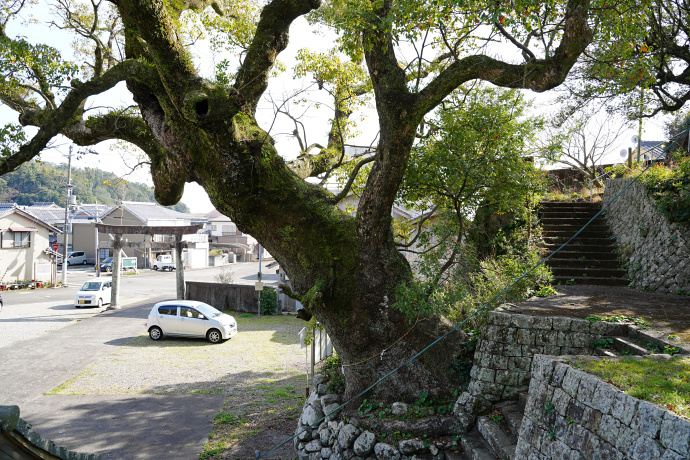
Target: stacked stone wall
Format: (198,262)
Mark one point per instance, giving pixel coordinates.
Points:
(504,355)
(657,252)
(574,415)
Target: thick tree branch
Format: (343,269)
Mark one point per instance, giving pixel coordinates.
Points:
(538,75)
(55,121)
(270,39)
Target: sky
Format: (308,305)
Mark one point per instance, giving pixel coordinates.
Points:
(120,161)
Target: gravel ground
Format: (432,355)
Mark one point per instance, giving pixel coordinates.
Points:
(260,372)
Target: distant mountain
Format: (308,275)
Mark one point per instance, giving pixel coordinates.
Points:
(36,181)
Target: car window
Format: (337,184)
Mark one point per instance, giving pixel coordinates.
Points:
(170,310)
(91,286)
(188,312)
(208,310)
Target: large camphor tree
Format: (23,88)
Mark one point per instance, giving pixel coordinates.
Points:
(343,267)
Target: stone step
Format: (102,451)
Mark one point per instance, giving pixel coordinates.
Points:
(569,204)
(513,415)
(569,213)
(573,221)
(586,272)
(581,248)
(586,234)
(624,344)
(501,441)
(606,353)
(598,227)
(590,281)
(474,447)
(582,263)
(566,253)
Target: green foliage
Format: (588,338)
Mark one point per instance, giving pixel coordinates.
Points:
(332,368)
(215,252)
(11,138)
(625,319)
(545,291)
(269,301)
(602,343)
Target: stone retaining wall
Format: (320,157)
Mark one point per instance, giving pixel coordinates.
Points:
(504,354)
(574,415)
(658,252)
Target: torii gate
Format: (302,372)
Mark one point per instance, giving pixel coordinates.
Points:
(118,230)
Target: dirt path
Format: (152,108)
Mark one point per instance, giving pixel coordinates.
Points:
(666,312)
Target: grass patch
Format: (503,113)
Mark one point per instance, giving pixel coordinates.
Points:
(663,382)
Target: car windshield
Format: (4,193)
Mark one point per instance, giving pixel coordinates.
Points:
(208,310)
(91,286)
(105,261)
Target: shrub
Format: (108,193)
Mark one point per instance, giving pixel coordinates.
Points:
(215,252)
(226,276)
(269,301)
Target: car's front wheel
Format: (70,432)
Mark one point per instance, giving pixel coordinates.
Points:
(108,269)
(84,262)
(214,336)
(155,333)
(155,267)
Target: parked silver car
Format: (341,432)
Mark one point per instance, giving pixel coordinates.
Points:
(93,293)
(189,318)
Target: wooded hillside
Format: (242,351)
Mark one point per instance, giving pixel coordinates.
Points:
(40,182)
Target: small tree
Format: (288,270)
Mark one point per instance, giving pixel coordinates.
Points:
(582,141)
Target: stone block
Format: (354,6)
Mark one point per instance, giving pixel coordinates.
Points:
(624,407)
(489,390)
(364,444)
(385,451)
(525,336)
(523,378)
(494,348)
(574,412)
(516,363)
(561,401)
(578,340)
(553,350)
(647,419)
(542,367)
(585,391)
(483,374)
(546,337)
(505,377)
(675,434)
(558,375)
(522,321)
(604,328)
(499,318)
(531,350)
(498,362)
(608,429)
(591,418)
(482,359)
(561,323)
(579,325)
(543,322)
(511,393)
(346,437)
(644,448)
(512,350)
(603,398)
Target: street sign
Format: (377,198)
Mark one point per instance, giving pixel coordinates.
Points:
(259,286)
(55,247)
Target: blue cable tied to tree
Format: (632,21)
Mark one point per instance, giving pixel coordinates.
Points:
(496,297)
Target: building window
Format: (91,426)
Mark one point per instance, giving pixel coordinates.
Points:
(22,239)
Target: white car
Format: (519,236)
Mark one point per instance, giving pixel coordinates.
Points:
(189,318)
(93,293)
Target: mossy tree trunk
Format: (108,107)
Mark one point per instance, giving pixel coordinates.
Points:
(344,268)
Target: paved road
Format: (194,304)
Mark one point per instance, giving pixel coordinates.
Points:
(45,341)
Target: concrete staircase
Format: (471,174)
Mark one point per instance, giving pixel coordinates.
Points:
(590,257)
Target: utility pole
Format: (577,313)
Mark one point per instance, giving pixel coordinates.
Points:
(259,277)
(65,239)
(639,129)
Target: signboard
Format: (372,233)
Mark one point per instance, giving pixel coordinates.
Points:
(259,286)
(55,247)
(129,263)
